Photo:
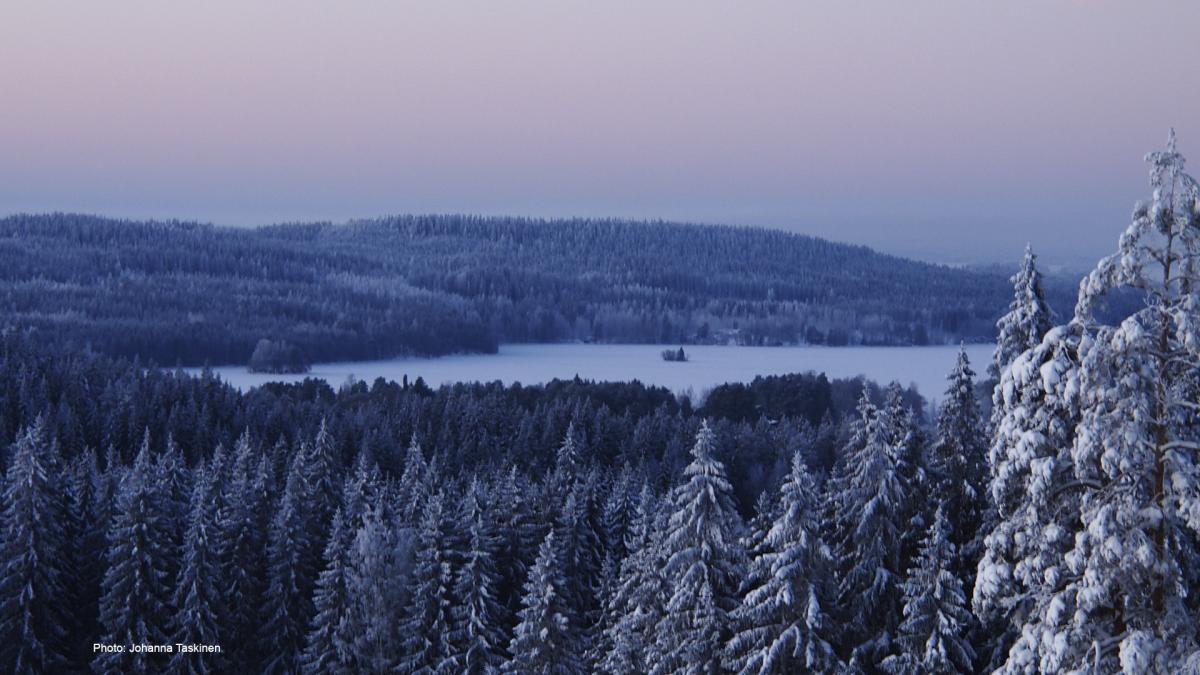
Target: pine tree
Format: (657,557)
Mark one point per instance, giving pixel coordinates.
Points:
(545,642)
(135,608)
(201,614)
(33,554)
(288,606)
(959,463)
(783,625)
(426,624)
(1114,592)
(868,502)
(933,636)
(704,567)
(478,619)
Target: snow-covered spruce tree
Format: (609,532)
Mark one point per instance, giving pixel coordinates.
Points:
(477,636)
(782,623)
(88,533)
(907,443)
(243,526)
(327,648)
(200,613)
(137,588)
(933,636)
(410,491)
(426,624)
(958,462)
(1034,506)
(518,534)
(635,606)
(288,603)
(379,570)
(1028,318)
(545,642)
(1118,598)
(33,555)
(579,544)
(704,566)
(868,505)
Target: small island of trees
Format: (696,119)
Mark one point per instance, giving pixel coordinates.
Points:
(674,355)
(276,356)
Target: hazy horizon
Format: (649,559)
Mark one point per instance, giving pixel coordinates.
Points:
(939,130)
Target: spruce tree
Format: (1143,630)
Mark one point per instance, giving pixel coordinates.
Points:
(34,580)
(242,534)
(869,512)
(327,647)
(201,607)
(287,605)
(478,619)
(427,621)
(378,574)
(135,608)
(1028,319)
(783,624)
(933,636)
(636,605)
(545,642)
(704,566)
(959,463)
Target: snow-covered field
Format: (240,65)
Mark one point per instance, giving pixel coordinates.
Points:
(708,365)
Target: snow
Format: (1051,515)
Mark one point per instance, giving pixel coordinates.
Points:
(706,367)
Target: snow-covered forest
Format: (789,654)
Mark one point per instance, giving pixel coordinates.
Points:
(801,525)
(189,294)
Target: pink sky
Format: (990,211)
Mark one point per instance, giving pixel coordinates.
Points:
(956,129)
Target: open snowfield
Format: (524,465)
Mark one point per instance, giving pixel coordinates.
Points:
(708,365)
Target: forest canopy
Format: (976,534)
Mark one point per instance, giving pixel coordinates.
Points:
(186,293)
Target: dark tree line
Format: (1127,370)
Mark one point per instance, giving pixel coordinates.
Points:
(184,293)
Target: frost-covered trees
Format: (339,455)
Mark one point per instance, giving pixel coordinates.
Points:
(288,602)
(783,624)
(379,574)
(34,579)
(1111,590)
(869,502)
(135,608)
(327,649)
(1028,319)
(425,629)
(545,642)
(958,461)
(933,636)
(636,604)
(478,618)
(200,587)
(704,566)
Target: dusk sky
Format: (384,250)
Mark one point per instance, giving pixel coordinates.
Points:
(948,130)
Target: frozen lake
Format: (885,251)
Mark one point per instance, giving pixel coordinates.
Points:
(708,365)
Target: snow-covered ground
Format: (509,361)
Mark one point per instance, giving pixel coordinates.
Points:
(707,365)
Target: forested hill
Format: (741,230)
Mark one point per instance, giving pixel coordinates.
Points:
(190,293)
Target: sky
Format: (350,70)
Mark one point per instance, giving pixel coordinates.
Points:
(949,130)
